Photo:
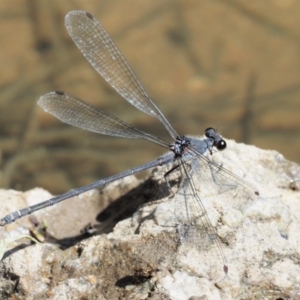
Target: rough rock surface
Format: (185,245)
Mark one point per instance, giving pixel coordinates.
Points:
(137,253)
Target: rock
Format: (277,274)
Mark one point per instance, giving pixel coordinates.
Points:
(137,252)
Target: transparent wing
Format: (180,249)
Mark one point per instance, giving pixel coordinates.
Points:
(198,237)
(73,111)
(220,181)
(205,182)
(99,49)
(202,185)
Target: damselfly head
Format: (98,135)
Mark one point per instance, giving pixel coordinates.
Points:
(218,141)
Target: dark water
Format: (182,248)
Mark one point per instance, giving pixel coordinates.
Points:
(226,64)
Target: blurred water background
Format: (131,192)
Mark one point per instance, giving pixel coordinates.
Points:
(230,64)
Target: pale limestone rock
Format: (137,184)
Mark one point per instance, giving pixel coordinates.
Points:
(138,256)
